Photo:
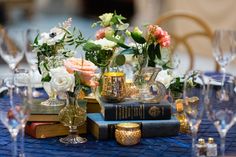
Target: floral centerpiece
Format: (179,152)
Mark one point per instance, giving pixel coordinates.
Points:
(52,49)
(149,48)
(66,74)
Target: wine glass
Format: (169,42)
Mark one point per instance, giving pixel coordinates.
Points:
(22,100)
(224,48)
(220,108)
(12,46)
(31,57)
(194,96)
(7,116)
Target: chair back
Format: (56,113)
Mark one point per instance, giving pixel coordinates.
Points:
(184,38)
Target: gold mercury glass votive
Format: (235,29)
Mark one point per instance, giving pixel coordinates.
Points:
(113,86)
(128,134)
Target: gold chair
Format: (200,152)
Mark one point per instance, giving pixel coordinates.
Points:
(183,39)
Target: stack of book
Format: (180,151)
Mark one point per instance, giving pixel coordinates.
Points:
(155,119)
(43,121)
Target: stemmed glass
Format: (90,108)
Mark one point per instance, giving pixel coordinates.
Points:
(14,114)
(194,96)
(224,48)
(7,116)
(12,46)
(22,100)
(220,108)
(31,57)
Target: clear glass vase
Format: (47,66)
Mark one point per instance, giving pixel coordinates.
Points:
(150,90)
(73,115)
(52,94)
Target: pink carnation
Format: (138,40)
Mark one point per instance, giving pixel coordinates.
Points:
(161,36)
(100,34)
(85,68)
(164,40)
(151,29)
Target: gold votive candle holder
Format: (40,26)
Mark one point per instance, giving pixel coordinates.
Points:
(113,86)
(128,134)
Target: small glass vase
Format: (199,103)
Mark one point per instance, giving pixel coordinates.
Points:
(150,91)
(52,94)
(73,115)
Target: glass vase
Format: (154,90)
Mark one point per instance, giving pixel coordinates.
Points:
(73,115)
(149,90)
(52,94)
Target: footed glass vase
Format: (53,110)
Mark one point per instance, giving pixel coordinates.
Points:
(52,94)
(149,90)
(73,115)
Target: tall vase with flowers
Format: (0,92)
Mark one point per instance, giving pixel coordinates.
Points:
(104,53)
(52,49)
(74,78)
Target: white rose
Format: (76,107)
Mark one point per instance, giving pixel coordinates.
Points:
(105,44)
(106,18)
(165,77)
(61,80)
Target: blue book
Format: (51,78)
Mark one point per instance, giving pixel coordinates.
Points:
(133,110)
(104,130)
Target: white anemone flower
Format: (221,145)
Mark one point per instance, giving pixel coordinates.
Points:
(55,35)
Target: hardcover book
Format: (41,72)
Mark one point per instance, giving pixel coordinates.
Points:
(49,129)
(42,113)
(103,130)
(133,110)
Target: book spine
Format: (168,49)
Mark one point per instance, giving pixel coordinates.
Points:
(152,129)
(134,111)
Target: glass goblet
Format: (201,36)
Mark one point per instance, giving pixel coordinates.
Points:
(12,47)
(32,59)
(194,96)
(220,106)
(224,48)
(73,115)
(7,115)
(22,100)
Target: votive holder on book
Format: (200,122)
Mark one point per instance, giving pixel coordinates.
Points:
(113,86)
(128,134)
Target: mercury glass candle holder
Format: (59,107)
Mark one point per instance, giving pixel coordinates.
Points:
(128,134)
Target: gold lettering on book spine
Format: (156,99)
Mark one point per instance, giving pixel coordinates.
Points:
(154,111)
(143,111)
(116,112)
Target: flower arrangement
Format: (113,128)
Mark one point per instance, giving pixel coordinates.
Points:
(56,62)
(53,48)
(149,48)
(102,50)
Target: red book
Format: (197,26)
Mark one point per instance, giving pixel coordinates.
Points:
(49,129)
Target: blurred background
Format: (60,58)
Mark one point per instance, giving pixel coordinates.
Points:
(45,14)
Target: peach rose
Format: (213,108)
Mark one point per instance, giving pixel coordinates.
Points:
(85,68)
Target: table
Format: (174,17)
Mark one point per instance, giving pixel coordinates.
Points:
(179,146)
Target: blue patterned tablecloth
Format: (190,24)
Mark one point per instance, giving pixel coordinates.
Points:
(179,146)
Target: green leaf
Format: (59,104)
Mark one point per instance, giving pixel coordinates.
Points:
(158,51)
(89,46)
(118,42)
(138,38)
(120,60)
(127,51)
(123,27)
(46,78)
(36,39)
(152,56)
